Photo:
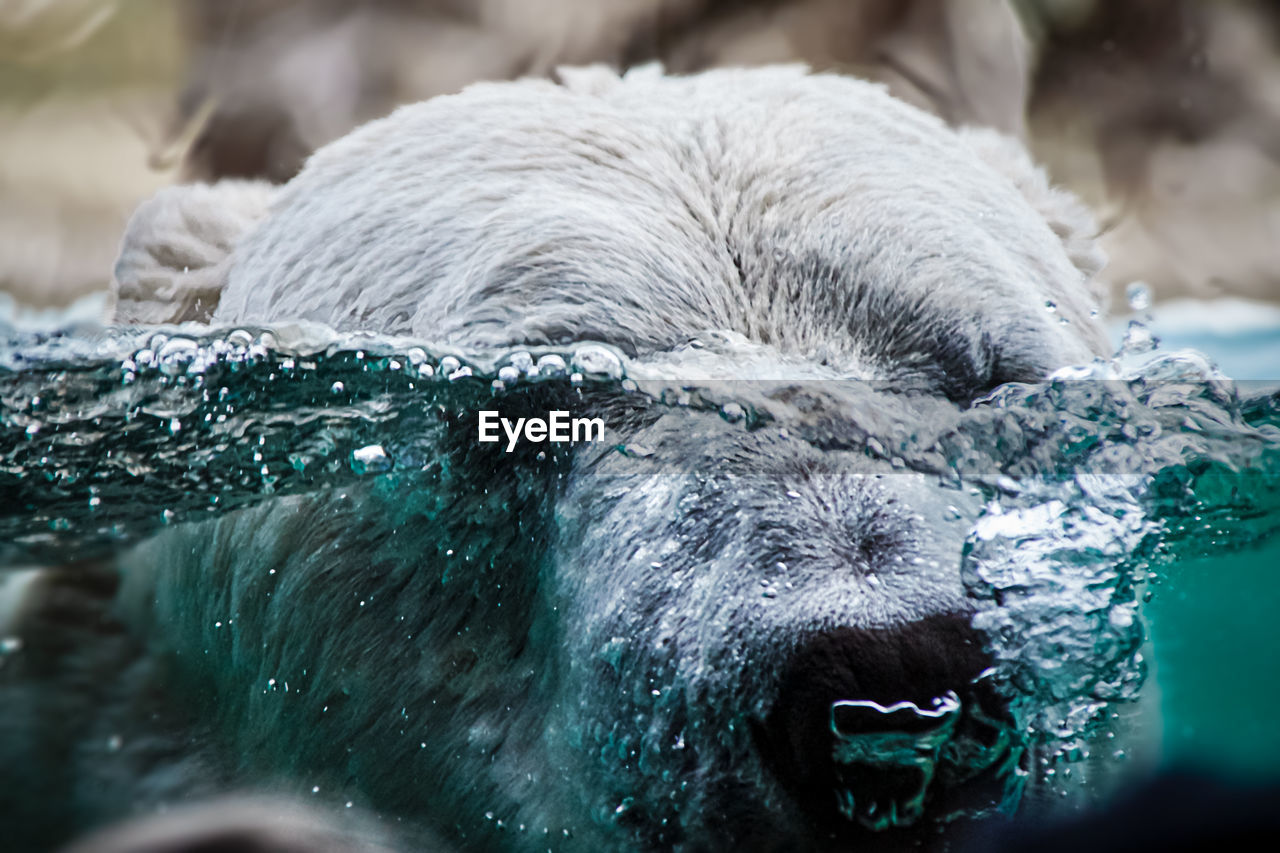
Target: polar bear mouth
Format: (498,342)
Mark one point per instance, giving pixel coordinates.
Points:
(882,729)
(902,743)
(887,757)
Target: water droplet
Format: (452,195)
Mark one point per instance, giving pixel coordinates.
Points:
(1138,339)
(1138,295)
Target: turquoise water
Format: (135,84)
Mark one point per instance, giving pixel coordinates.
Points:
(1128,509)
(1213,624)
(1212,619)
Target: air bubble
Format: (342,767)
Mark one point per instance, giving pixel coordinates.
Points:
(732,412)
(370,459)
(551,365)
(177,355)
(597,362)
(523,362)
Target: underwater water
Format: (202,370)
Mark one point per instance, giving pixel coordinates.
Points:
(1126,512)
(1211,615)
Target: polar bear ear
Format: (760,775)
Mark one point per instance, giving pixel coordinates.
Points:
(174,257)
(1069,218)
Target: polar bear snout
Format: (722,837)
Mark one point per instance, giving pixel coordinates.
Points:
(873,729)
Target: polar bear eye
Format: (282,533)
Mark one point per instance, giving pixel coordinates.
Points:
(964,368)
(967,370)
(947,367)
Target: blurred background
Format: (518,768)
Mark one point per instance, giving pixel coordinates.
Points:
(1163,114)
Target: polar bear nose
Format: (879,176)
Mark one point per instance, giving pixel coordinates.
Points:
(869,725)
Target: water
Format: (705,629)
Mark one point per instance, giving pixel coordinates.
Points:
(1121,503)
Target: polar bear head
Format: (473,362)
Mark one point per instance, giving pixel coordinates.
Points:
(662,696)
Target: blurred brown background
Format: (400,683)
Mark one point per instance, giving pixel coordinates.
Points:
(1163,114)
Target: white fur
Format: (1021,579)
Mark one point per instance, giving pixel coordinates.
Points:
(173,260)
(646,209)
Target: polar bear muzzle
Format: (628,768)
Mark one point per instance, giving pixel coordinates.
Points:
(890,729)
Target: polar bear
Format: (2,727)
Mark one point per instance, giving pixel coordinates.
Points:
(571,650)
